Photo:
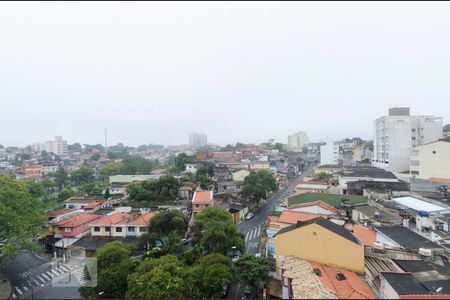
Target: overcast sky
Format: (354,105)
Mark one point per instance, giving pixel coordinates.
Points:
(247,72)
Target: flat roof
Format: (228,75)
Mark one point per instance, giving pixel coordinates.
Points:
(419,205)
(406,238)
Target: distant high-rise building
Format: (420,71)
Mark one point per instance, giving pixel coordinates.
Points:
(396,134)
(197,140)
(329,153)
(298,140)
(57,147)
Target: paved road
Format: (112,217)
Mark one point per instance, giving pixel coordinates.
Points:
(42,279)
(252,228)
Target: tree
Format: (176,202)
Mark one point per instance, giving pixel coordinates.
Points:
(95,157)
(60,177)
(133,165)
(203,178)
(212,272)
(164,223)
(112,169)
(252,271)
(180,161)
(82,175)
(20,217)
(257,184)
(113,267)
(163,278)
(278,146)
(74,147)
(216,232)
(165,188)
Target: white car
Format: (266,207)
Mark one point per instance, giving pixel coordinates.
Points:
(249,215)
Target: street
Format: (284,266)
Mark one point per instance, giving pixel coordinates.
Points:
(39,282)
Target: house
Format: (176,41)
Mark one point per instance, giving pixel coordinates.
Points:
(431,160)
(302,279)
(259,165)
(327,168)
(185,192)
(378,189)
(228,186)
(363,173)
(33,171)
(201,200)
(312,186)
(191,168)
(240,175)
(285,218)
(80,202)
(221,172)
(238,210)
(127,179)
(312,240)
(122,224)
(77,225)
(49,168)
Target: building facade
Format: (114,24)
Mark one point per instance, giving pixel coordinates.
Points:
(396,134)
(197,139)
(298,140)
(431,160)
(329,153)
(57,147)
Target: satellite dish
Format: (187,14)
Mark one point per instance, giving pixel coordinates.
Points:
(439,289)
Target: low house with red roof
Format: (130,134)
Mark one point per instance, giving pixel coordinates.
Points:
(76,226)
(315,207)
(201,200)
(122,224)
(81,202)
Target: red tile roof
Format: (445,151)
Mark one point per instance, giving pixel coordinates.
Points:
(78,220)
(318,203)
(73,199)
(60,212)
(292,217)
(366,235)
(353,287)
(143,219)
(113,219)
(202,197)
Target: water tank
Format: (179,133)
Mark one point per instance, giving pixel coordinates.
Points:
(425,252)
(378,246)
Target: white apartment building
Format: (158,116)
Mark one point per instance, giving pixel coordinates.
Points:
(329,153)
(431,160)
(197,139)
(57,147)
(396,134)
(298,140)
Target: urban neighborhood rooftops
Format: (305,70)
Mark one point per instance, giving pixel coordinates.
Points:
(202,197)
(330,199)
(78,220)
(371,172)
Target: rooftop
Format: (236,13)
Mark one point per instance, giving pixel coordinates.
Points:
(370,172)
(404,283)
(419,205)
(330,199)
(339,230)
(202,197)
(292,217)
(406,238)
(131,178)
(78,220)
(366,235)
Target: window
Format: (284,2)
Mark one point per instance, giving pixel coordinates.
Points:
(107,229)
(96,229)
(118,229)
(131,229)
(206,205)
(197,205)
(67,229)
(143,229)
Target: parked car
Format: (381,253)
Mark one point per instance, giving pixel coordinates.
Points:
(249,215)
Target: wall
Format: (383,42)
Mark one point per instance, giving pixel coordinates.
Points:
(313,243)
(315,209)
(434,164)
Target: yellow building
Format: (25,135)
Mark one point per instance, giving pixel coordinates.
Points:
(240,175)
(322,241)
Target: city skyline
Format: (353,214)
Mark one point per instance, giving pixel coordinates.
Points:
(61,76)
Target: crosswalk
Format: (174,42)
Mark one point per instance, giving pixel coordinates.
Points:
(253,233)
(41,279)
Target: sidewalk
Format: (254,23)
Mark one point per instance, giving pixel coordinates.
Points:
(5,287)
